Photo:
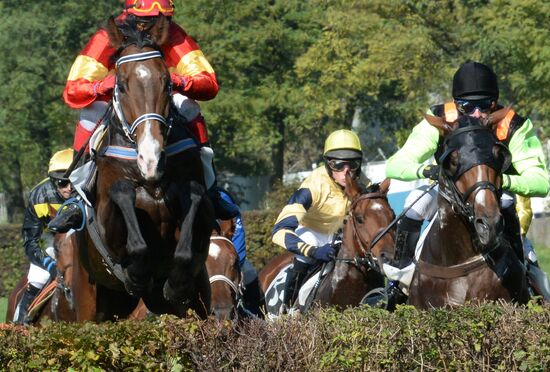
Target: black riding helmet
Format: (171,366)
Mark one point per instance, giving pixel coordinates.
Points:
(475,81)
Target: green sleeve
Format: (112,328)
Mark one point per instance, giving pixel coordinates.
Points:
(406,164)
(528,160)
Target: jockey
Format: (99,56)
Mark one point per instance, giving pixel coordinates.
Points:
(316,211)
(251,293)
(475,92)
(91,82)
(44,200)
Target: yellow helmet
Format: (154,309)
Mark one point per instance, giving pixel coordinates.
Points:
(343,144)
(60,162)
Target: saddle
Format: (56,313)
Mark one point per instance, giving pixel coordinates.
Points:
(45,294)
(275,292)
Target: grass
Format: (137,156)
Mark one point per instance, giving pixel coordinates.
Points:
(543,256)
(3,308)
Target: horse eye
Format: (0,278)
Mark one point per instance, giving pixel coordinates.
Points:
(121,86)
(359,219)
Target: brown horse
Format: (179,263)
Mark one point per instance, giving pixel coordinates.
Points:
(464,257)
(71,298)
(356,268)
(149,236)
(222,265)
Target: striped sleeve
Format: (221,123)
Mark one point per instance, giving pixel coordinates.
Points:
(92,65)
(284,230)
(184,58)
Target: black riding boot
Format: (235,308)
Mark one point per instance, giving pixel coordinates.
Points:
(512,230)
(20,316)
(252,297)
(294,278)
(406,238)
(68,217)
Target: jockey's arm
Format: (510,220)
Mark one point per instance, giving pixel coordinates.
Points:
(192,74)
(525,213)
(283,232)
(529,161)
(407,163)
(33,226)
(92,65)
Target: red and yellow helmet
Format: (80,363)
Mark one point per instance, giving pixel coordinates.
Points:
(149,8)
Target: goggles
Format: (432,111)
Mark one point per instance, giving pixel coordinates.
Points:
(154,5)
(339,165)
(468,107)
(61,183)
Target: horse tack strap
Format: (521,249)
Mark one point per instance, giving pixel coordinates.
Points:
(225,279)
(129,153)
(221,238)
(112,268)
(450,272)
(45,294)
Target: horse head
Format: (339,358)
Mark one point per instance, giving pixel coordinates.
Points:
(472,164)
(369,216)
(142,92)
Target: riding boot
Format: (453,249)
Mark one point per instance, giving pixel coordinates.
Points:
(69,216)
(22,309)
(406,238)
(294,278)
(512,230)
(252,297)
(538,280)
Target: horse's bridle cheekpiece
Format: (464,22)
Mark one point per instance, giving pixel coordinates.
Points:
(130,129)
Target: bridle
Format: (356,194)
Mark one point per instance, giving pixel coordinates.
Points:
(365,247)
(130,129)
(458,200)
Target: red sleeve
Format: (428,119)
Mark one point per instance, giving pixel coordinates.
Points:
(184,58)
(92,64)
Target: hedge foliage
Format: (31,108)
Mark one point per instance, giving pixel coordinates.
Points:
(486,337)
(13,262)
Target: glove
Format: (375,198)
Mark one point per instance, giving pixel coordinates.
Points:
(323,253)
(431,172)
(178,81)
(50,265)
(105,85)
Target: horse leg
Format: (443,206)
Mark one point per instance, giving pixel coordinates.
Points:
(188,262)
(138,279)
(113,305)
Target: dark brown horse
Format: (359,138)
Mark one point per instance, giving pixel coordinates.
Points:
(464,257)
(224,273)
(357,265)
(149,238)
(71,298)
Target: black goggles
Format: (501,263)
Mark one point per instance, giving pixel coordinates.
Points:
(61,183)
(339,165)
(469,106)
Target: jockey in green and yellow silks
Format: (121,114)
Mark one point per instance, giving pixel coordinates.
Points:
(475,93)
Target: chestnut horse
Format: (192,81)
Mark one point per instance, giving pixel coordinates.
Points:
(224,273)
(464,256)
(73,297)
(357,266)
(149,236)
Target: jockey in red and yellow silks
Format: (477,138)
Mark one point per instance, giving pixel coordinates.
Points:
(92,79)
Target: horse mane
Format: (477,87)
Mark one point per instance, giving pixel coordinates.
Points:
(135,32)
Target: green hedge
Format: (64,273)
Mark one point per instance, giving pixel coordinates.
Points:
(486,337)
(13,262)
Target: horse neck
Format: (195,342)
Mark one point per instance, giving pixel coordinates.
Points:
(451,242)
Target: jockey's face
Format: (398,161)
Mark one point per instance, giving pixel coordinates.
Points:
(64,188)
(340,167)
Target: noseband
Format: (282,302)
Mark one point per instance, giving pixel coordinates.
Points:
(130,129)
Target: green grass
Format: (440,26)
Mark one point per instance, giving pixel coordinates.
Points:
(543,256)
(3,308)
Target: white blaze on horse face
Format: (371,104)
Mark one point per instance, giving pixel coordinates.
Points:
(481,198)
(214,250)
(377,206)
(142,72)
(149,151)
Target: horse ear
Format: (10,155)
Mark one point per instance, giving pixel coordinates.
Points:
(439,123)
(497,116)
(352,189)
(160,31)
(115,35)
(385,186)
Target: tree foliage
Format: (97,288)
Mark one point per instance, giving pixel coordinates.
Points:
(290,72)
